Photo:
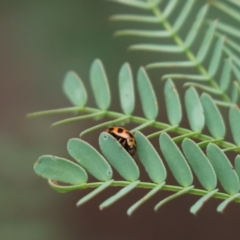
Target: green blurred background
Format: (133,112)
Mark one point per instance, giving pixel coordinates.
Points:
(40,41)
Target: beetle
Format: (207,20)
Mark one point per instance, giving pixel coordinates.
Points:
(125,138)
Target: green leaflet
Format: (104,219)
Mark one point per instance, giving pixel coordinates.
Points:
(225,203)
(173,196)
(196,25)
(117,121)
(183,15)
(216,57)
(142,33)
(224,169)
(199,204)
(237,165)
(74,89)
(175,160)
(125,84)
(235,2)
(194,110)
(234,121)
(137,4)
(225,77)
(150,159)
(60,169)
(100,85)
(213,117)
(200,164)
(174,108)
(228,10)
(147,95)
(169,8)
(135,18)
(156,48)
(235,92)
(203,50)
(79,118)
(192,77)
(88,157)
(182,64)
(118,157)
(236,72)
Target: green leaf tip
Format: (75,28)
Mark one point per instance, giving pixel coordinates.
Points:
(194,110)
(234,122)
(174,109)
(200,164)
(226,202)
(126,88)
(172,197)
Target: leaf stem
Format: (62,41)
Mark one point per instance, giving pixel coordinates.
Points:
(146,185)
(118,117)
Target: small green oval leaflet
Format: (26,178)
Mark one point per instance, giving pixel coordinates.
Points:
(150,159)
(203,50)
(174,109)
(226,202)
(234,121)
(60,169)
(226,75)
(74,89)
(237,165)
(147,95)
(194,30)
(100,85)
(182,15)
(216,57)
(194,110)
(200,202)
(224,169)
(176,161)
(235,92)
(126,89)
(214,120)
(200,164)
(118,157)
(90,159)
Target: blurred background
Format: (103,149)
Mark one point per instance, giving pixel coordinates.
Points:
(40,41)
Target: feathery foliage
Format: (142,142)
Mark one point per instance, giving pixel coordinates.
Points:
(198,152)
